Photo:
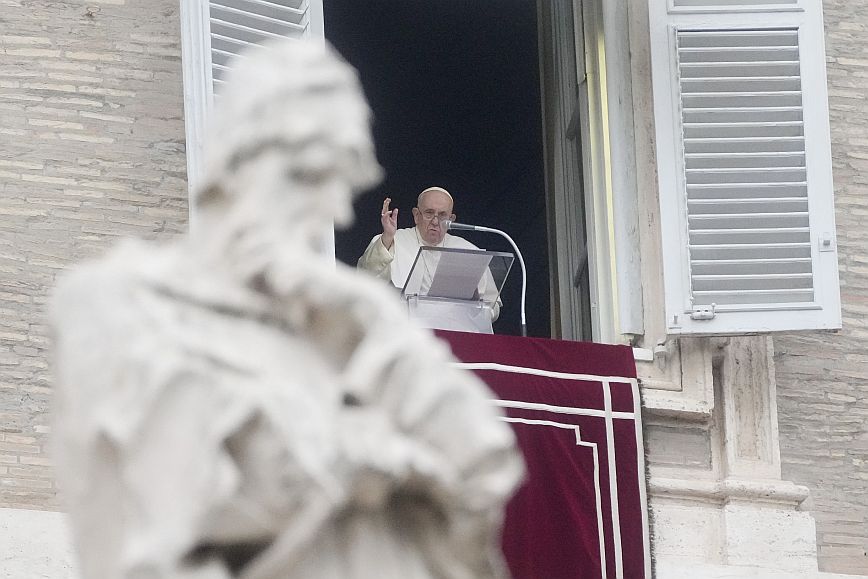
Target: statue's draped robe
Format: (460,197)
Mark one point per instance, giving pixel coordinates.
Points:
(205,430)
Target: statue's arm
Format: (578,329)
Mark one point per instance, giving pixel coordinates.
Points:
(145,429)
(456,449)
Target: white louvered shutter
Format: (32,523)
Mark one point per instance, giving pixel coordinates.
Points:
(214,32)
(238,24)
(744,166)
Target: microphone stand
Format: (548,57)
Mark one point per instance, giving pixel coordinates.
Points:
(454,225)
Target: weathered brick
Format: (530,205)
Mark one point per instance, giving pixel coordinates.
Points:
(98,56)
(86,113)
(32,52)
(47,179)
(35,460)
(7,39)
(810,426)
(25,483)
(85,138)
(19,448)
(31,471)
(55,124)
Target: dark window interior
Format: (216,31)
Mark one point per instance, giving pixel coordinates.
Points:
(455,90)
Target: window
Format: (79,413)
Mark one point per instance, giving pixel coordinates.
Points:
(742,142)
(589,140)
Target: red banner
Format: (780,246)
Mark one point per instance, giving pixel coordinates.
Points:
(575,409)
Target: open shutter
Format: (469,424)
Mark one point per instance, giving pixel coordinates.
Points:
(213,33)
(744,164)
(239,24)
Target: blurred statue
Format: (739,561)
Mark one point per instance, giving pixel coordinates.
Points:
(234,405)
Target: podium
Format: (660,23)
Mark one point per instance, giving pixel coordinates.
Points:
(456,289)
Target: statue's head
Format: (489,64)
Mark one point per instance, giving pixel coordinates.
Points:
(290,143)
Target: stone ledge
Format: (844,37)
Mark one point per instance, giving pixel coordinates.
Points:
(775,492)
(35,544)
(690,570)
(674,404)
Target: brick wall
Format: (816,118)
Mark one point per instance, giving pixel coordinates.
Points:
(823,378)
(92,149)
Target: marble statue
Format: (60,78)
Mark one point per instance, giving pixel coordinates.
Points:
(233,404)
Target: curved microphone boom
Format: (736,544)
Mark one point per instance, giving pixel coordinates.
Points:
(455,225)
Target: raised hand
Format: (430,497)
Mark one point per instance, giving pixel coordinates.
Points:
(389,221)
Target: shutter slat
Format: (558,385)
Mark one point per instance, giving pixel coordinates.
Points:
(771,130)
(731,3)
(744,176)
(746,190)
(736,38)
(741,85)
(239,25)
(783,281)
(744,114)
(256,21)
(288,8)
(699,207)
(731,100)
(739,54)
(754,297)
(749,221)
(230,46)
(700,237)
(740,69)
(744,251)
(243,33)
(747,160)
(746,144)
(222,57)
(751,266)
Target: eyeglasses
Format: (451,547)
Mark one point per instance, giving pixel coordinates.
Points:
(430,215)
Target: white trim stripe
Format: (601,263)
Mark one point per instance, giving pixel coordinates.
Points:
(613,482)
(598,495)
(546,373)
(563,409)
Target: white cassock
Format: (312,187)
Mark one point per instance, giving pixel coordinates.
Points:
(394,265)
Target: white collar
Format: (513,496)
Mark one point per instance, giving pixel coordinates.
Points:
(423,242)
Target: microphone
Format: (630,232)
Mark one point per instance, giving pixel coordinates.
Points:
(449,224)
(455,225)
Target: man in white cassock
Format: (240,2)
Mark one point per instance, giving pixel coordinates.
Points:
(231,405)
(390,255)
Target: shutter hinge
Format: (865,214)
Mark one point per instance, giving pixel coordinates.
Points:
(702,313)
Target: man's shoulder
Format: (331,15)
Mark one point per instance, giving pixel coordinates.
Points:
(405,235)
